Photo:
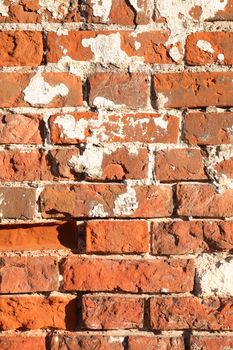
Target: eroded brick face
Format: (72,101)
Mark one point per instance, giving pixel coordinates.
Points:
(116,175)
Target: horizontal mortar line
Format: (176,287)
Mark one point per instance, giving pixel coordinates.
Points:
(48,294)
(87,333)
(118,112)
(83,220)
(74,253)
(77,26)
(124,183)
(154,69)
(212,334)
(219,25)
(137,295)
(75,146)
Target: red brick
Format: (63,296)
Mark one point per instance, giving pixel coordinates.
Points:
(60,235)
(67,11)
(35,312)
(208,128)
(155,343)
(193,89)
(26,274)
(25,11)
(117,236)
(185,237)
(112,312)
(73,341)
(212,314)
(20,129)
(26,165)
(202,200)
(177,237)
(100,274)
(211,342)
(118,163)
(153,47)
(120,12)
(106,200)
(179,164)
(226,14)
(219,43)
(21,48)
(130,90)
(224,167)
(142,127)
(27,89)
(15,342)
(17,202)
(219,235)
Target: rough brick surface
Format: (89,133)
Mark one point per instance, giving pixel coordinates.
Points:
(116,171)
(211,342)
(24,166)
(28,274)
(87,46)
(118,12)
(155,343)
(85,342)
(117,163)
(144,127)
(177,90)
(112,312)
(41,89)
(35,312)
(117,237)
(17,202)
(121,89)
(204,200)
(21,48)
(184,237)
(106,200)
(20,129)
(208,128)
(191,312)
(61,235)
(15,342)
(179,164)
(128,275)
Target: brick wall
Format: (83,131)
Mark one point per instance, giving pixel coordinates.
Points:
(116,170)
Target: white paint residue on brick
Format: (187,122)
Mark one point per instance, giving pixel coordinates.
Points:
(3,8)
(161,100)
(103,103)
(134,3)
(58,8)
(39,92)
(214,275)
(137,45)
(71,128)
(205,46)
(1,202)
(161,123)
(215,156)
(98,211)
(175,54)
(102,9)
(116,339)
(107,49)
(132,148)
(177,13)
(90,162)
(221,57)
(126,203)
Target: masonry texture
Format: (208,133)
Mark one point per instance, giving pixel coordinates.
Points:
(116,171)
